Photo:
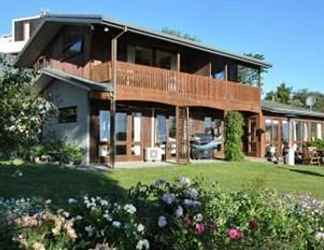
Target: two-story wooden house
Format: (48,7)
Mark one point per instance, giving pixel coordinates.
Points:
(122,90)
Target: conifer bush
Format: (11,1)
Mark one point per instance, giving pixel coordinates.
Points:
(234,123)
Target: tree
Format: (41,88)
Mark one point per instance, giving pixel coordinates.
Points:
(282,94)
(263,71)
(180,34)
(234,123)
(300,96)
(22,113)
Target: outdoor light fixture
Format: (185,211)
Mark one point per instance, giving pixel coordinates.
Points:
(106,29)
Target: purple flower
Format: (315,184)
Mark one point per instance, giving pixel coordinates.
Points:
(162,222)
(168,198)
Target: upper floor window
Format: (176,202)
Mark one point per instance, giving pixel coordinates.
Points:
(73,46)
(140,55)
(166,60)
(219,75)
(68,115)
(150,57)
(247,75)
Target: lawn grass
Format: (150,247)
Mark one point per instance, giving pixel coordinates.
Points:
(235,176)
(55,183)
(59,184)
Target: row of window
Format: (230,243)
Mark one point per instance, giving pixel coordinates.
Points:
(164,126)
(74,45)
(301,131)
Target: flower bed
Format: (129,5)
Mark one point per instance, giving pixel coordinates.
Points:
(167,215)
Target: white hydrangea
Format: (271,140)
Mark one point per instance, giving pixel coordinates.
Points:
(129,208)
(159,183)
(192,193)
(47,202)
(198,217)
(179,212)
(104,202)
(162,221)
(107,216)
(168,198)
(72,201)
(89,229)
(78,217)
(143,245)
(140,228)
(184,181)
(116,224)
(319,236)
(66,214)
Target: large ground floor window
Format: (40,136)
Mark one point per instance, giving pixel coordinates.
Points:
(301,131)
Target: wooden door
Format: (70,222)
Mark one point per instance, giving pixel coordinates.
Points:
(129,131)
(252,138)
(273,134)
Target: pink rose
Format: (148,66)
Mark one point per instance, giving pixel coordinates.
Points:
(235,234)
(200,228)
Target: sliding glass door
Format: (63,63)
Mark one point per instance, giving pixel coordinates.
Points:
(121,134)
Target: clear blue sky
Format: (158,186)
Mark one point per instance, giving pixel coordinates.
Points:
(290,33)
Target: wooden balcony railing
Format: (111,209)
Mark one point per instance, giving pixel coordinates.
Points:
(144,83)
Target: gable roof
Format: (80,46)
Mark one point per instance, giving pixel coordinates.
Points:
(289,110)
(51,24)
(47,75)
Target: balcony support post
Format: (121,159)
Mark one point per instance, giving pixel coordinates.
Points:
(182,134)
(210,70)
(224,131)
(261,136)
(226,72)
(114,49)
(259,78)
(178,62)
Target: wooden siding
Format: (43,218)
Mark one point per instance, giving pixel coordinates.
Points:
(145,83)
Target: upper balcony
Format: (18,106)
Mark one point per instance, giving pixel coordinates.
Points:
(145,83)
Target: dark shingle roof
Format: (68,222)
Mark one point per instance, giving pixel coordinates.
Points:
(289,110)
(48,74)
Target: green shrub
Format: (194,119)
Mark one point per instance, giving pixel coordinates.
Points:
(234,123)
(57,151)
(318,143)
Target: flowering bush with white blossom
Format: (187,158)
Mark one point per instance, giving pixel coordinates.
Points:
(167,215)
(22,112)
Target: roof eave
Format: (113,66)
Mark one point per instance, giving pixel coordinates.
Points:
(96,19)
(287,112)
(57,19)
(184,42)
